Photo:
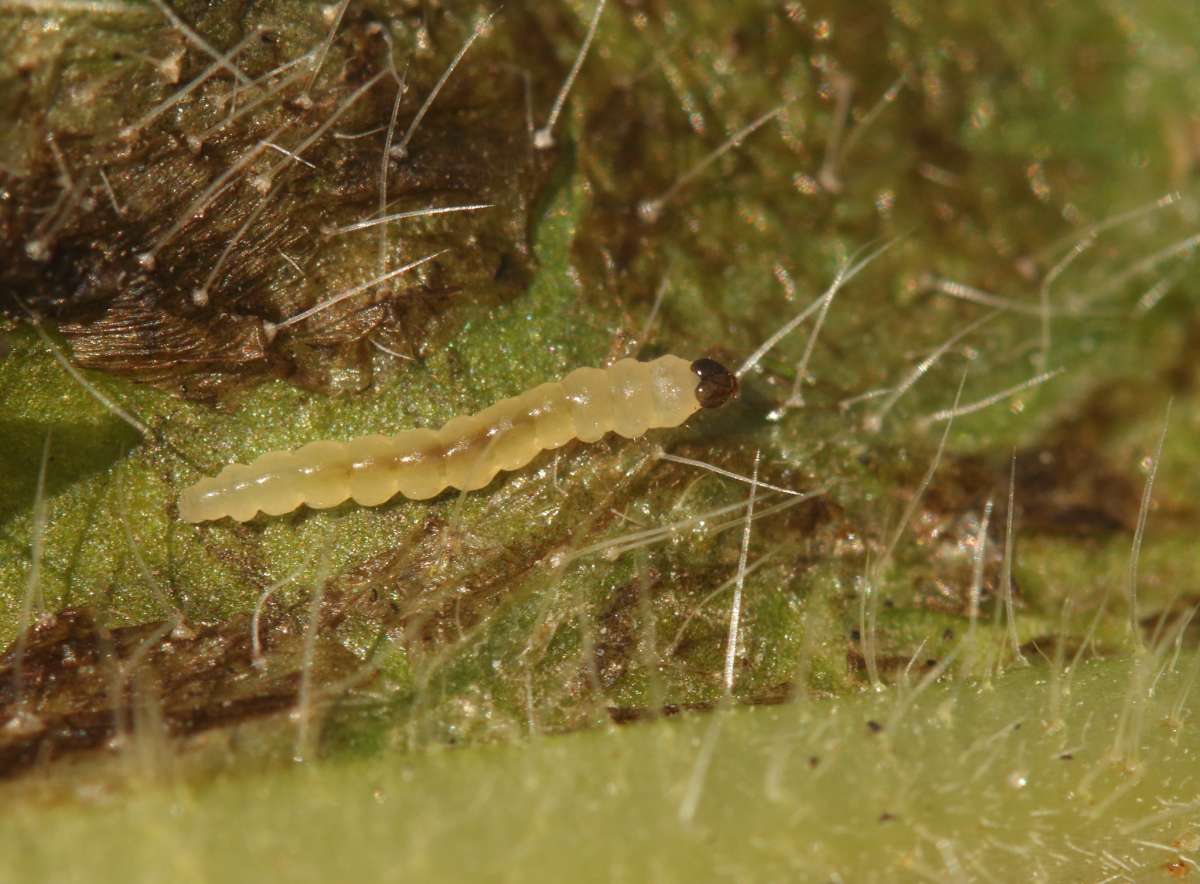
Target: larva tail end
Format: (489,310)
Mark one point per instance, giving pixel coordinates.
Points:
(189,506)
(717,384)
(201,502)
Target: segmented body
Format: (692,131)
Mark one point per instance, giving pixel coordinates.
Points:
(628,398)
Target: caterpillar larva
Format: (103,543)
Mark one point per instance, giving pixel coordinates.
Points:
(628,398)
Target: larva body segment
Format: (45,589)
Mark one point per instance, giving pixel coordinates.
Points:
(628,397)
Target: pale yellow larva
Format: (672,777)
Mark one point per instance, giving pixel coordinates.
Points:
(628,398)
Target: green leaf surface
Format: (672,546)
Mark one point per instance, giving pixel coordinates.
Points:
(1034,161)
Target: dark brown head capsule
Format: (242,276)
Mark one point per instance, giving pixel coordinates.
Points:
(717,385)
